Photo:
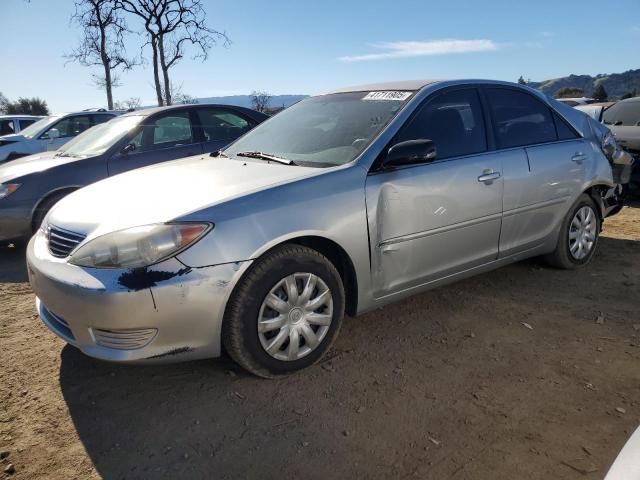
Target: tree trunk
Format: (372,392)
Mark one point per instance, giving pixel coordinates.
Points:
(106,62)
(107,84)
(156,76)
(165,73)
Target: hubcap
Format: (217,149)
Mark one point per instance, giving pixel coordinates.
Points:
(582,233)
(295,316)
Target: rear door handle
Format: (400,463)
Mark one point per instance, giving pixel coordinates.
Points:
(488,177)
(578,157)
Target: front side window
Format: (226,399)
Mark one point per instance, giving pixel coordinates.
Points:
(172,129)
(101,118)
(519,118)
(326,130)
(25,123)
(218,124)
(453,121)
(70,126)
(623,113)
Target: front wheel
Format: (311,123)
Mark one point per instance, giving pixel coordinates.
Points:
(578,235)
(285,313)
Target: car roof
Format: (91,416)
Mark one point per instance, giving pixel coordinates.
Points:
(630,100)
(151,110)
(420,84)
(397,85)
(20,116)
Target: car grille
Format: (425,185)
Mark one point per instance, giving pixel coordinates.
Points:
(62,242)
(128,339)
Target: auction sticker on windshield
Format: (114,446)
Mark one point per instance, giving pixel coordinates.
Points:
(397,96)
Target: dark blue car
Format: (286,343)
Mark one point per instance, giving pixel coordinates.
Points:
(31,185)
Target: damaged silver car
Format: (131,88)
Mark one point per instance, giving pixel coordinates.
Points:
(338,205)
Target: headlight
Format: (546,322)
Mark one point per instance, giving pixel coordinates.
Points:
(609,145)
(138,246)
(7,189)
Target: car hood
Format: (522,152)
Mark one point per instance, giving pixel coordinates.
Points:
(627,136)
(164,192)
(14,137)
(31,164)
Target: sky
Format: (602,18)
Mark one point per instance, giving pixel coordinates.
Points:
(301,47)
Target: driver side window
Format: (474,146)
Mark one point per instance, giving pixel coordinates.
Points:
(169,130)
(70,126)
(453,120)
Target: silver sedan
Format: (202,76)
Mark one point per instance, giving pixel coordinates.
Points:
(340,204)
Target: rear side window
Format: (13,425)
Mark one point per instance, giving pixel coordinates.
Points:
(565,132)
(453,121)
(25,123)
(519,118)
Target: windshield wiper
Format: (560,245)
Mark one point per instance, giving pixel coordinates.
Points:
(266,156)
(65,154)
(218,153)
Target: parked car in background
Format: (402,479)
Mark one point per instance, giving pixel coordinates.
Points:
(29,186)
(49,133)
(573,102)
(627,464)
(595,110)
(623,118)
(10,124)
(341,203)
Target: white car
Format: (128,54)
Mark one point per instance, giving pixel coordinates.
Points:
(50,133)
(10,124)
(627,464)
(572,102)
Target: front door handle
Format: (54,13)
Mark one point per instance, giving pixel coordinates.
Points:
(488,176)
(578,157)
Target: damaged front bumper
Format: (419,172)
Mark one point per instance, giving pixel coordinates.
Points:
(165,312)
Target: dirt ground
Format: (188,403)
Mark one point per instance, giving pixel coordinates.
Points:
(525,372)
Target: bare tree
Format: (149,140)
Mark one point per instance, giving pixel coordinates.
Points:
(179,97)
(260,100)
(128,103)
(171,26)
(4,101)
(102,43)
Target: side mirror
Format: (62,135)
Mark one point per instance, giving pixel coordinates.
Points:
(129,148)
(53,134)
(410,152)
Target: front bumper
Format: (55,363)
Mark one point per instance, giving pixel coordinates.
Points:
(167,312)
(15,224)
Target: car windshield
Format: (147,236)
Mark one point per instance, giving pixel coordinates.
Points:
(98,139)
(325,130)
(623,113)
(32,130)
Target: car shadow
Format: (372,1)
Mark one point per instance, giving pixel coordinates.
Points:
(208,418)
(13,266)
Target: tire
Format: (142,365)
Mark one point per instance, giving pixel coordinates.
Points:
(44,208)
(247,309)
(583,227)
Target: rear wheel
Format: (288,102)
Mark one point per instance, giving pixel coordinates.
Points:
(578,235)
(285,313)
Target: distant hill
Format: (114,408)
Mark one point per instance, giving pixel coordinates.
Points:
(245,100)
(616,84)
